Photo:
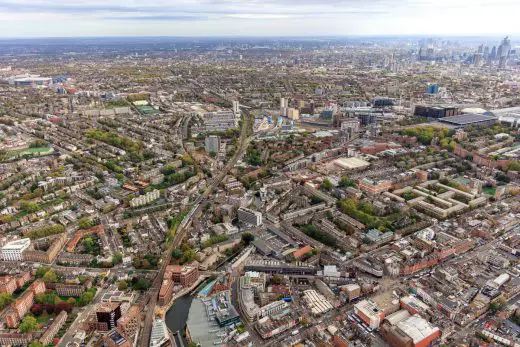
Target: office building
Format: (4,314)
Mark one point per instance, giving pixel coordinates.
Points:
(250,217)
(185,275)
(108,314)
(212,144)
(435,111)
(12,251)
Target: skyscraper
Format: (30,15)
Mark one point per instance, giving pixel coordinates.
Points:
(503,52)
(493,54)
(236,107)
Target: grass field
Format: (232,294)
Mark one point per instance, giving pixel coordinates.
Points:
(489,190)
(147,110)
(31,151)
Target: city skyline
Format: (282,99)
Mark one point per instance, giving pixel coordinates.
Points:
(30,18)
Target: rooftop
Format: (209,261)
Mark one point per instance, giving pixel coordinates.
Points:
(466,119)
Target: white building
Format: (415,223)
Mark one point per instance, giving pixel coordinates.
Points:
(273,308)
(316,302)
(212,144)
(236,107)
(250,217)
(159,334)
(13,250)
(145,199)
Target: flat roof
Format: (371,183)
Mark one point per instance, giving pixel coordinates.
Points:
(351,163)
(417,328)
(466,119)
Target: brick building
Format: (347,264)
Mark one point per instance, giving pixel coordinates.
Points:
(8,284)
(53,329)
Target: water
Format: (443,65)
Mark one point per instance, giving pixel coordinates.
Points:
(177,315)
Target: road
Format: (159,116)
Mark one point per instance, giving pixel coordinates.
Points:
(81,318)
(181,230)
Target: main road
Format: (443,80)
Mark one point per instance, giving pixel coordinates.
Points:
(246,133)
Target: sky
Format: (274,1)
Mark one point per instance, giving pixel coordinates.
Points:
(70,18)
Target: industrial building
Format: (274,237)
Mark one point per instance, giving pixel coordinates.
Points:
(466,120)
(412,331)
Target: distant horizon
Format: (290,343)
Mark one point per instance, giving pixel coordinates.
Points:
(249,18)
(324,36)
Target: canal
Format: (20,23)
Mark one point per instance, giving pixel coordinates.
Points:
(177,315)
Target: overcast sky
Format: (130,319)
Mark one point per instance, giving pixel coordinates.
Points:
(43,18)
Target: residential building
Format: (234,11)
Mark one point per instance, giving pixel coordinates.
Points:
(53,329)
(16,339)
(128,324)
(220,121)
(52,244)
(146,198)
(374,187)
(7,284)
(74,290)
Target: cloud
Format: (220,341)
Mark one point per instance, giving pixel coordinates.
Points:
(257,17)
(159,18)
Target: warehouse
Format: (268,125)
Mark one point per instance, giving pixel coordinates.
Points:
(465,120)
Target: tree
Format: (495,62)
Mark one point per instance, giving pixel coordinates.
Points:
(42,270)
(36,344)
(117,258)
(326,184)
(5,299)
(177,253)
(122,285)
(247,238)
(188,255)
(28,324)
(85,298)
(346,182)
(85,223)
(29,206)
(142,284)
(50,276)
